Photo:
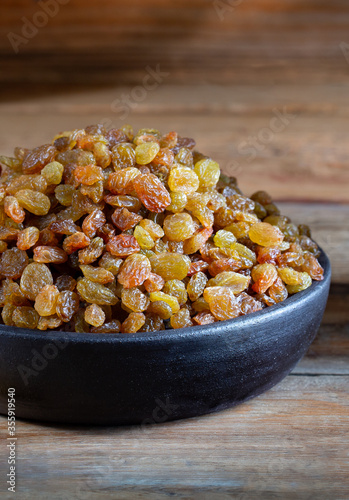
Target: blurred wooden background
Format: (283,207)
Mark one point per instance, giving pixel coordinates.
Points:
(198,41)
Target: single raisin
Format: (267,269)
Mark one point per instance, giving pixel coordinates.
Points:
(35,160)
(151,192)
(134,271)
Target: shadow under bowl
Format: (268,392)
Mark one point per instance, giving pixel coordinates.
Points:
(153,377)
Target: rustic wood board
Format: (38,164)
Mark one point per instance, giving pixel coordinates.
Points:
(113,41)
(329,353)
(290,443)
(308,159)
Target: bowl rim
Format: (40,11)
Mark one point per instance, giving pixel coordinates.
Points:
(171,335)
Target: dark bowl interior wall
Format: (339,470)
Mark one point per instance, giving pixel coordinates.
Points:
(146,378)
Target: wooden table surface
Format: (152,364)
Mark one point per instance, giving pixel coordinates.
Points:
(227,78)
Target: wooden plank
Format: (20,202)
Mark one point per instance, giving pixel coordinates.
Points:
(106,68)
(107,42)
(337,310)
(201,99)
(290,443)
(328,354)
(256,25)
(308,159)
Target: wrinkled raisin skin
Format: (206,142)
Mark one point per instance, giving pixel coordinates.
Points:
(36,159)
(152,192)
(122,232)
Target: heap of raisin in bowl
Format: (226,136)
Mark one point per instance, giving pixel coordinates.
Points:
(111,231)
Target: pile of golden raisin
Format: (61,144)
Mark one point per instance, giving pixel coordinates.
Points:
(110,231)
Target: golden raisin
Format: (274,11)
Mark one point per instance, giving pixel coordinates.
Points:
(151,192)
(13,262)
(235,281)
(75,242)
(34,277)
(183,180)
(67,305)
(134,271)
(196,286)
(95,293)
(208,172)
(181,319)
(133,323)
(122,245)
(13,209)
(265,235)
(35,160)
(88,174)
(146,152)
(179,227)
(94,221)
(263,276)
(164,297)
(94,315)
(170,265)
(35,202)
(154,283)
(92,252)
(25,317)
(222,302)
(176,288)
(53,172)
(46,300)
(48,254)
(97,274)
(134,299)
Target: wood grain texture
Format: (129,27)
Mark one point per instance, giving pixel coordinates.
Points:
(329,353)
(337,310)
(306,159)
(236,41)
(290,443)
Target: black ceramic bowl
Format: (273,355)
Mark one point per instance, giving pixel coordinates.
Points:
(154,377)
